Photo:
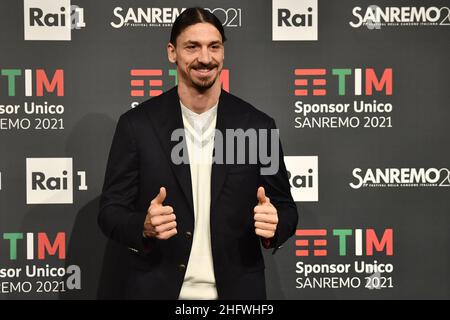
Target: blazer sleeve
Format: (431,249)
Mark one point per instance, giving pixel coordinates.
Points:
(278,190)
(118,217)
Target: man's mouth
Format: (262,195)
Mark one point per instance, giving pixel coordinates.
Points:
(204,70)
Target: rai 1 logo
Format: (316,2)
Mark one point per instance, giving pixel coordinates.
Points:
(294,20)
(51,19)
(303,175)
(50,180)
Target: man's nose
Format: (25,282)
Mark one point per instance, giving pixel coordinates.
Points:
(204,56)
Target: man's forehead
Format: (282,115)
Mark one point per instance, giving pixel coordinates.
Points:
(201,32)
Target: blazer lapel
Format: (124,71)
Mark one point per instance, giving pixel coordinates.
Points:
(166,119)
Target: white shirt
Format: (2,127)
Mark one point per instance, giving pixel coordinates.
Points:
(199,280)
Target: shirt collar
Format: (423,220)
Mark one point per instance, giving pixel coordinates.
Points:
(199,121)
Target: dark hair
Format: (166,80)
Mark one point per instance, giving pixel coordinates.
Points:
(192,16)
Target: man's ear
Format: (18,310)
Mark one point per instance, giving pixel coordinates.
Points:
(171,53)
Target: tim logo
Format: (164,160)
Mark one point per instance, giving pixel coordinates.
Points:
(303,174)
(50,180)
(315,242)
(294,20)
(358,81)
(37,82)
(51,19)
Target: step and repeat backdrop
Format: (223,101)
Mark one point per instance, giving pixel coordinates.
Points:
(358,89)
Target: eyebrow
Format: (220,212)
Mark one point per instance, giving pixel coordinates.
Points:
(198,43)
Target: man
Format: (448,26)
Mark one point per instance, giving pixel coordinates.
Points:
(194,228)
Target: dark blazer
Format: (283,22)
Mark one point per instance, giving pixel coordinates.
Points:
(140,163)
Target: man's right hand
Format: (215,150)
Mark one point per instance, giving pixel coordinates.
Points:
(160,220)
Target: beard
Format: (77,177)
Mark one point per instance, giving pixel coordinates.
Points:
(204,83)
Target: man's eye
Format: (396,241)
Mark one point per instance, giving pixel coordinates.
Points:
(191,47)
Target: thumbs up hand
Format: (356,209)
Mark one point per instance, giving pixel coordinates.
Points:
(160,220)
(266,216)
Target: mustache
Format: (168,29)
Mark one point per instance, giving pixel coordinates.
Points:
(204,66)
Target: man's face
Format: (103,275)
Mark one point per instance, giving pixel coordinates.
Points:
(199,55)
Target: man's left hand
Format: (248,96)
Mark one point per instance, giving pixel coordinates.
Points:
(266,216)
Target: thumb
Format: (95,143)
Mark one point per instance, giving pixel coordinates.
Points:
(160,197)
(261,195)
